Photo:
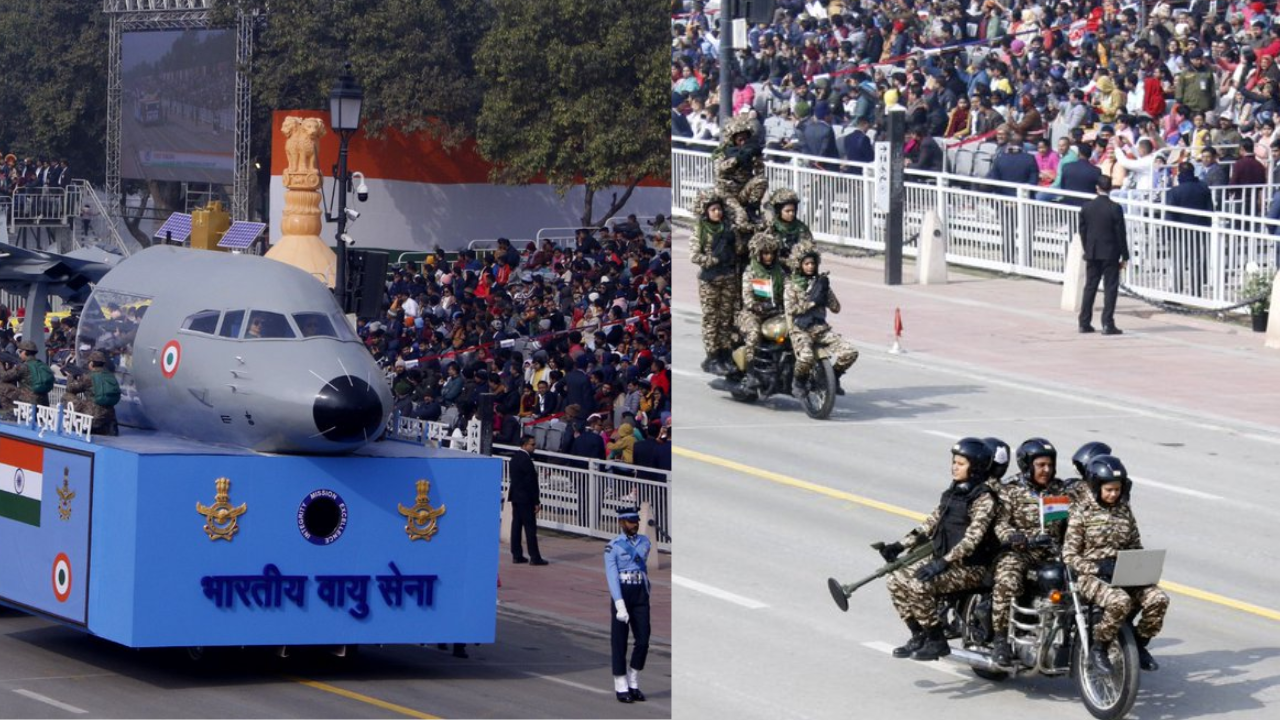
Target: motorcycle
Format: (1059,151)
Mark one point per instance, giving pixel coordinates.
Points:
(1050,633)
(773,367)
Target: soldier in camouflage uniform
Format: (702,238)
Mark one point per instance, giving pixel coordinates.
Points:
(715,251)
(80,395)
(740,177)
(1101,525)
(1017,524)
(959,530)
(999,461)
(794,238)
(808,298)
(13,378)
(762,284)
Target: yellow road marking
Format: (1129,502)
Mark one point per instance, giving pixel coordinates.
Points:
(781,479)
(364,698)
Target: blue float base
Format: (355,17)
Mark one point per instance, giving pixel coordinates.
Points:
(106,536)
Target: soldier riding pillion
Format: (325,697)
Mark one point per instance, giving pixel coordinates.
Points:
(958,530)
(740,177)
(808,298)
(715,252)
(1100,526)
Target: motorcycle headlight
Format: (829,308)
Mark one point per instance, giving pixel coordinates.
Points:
(775,329)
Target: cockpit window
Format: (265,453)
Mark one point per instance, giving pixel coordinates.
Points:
(345,331)
(231,323)
(265,325)
(312,324)
(205,321)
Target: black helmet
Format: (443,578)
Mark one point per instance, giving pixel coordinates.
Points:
(978,455)
(1034,448)
(1104,469)
(1087,452)
(999,456)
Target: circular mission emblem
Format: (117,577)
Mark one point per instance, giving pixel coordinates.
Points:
(169,358)
(322,517)
(62,577)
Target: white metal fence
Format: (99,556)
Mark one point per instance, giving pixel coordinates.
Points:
(583,496)
(578,495)
(1001,226)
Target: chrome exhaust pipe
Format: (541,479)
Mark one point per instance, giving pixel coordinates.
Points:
(980,660)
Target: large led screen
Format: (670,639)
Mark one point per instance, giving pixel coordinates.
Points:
(178,105)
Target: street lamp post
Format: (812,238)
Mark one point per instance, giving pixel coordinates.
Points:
(344,117)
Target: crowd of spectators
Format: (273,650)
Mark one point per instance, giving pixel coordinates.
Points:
(32,174)
(1133,90)
(574,337)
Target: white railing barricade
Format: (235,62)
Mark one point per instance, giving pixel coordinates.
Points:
(562,236)
(582,495)
(1004,227)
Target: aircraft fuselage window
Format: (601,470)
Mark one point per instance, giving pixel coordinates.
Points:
(312,324)
(231,322)
(205,321)
(265,325)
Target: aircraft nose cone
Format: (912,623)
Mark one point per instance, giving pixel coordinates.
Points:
(348,409)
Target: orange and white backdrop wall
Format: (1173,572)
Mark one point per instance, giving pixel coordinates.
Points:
(421,196)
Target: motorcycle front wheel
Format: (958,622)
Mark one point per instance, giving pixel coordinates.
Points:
(1110,696)
(821,398)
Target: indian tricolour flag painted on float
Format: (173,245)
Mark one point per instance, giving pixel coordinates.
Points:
(21,480)
(1054,507)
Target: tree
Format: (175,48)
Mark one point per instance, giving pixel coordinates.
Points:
(576,92)
(48,48)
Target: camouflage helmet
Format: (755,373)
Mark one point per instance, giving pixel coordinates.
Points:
(706,198)
(784,196)
(737,124)
(762,242)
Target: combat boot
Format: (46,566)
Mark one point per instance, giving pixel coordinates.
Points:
(1145,661)
(935,645)
(914,644)
(709,364)
(726,362)
(1099,659)
(1001,653)
(839,387)
(799,388)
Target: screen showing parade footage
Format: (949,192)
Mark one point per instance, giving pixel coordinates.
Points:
(178,105)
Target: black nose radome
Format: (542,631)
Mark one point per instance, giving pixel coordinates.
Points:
(348,409)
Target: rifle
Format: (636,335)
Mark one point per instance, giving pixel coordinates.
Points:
(841,593)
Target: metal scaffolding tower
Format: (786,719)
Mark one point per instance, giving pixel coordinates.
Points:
(133,15)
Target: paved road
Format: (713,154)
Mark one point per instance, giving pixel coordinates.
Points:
(551,660)
(787,502)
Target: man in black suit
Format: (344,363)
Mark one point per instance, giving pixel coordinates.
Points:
(817,138)
(548,403)
(1106,250)
(1080,176)
(578,390)
(858,146)
(1191,194)
(525,503)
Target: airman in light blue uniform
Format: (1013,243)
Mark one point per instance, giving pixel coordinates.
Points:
(625,559)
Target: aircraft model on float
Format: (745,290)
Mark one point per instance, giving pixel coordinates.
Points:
(246,500)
